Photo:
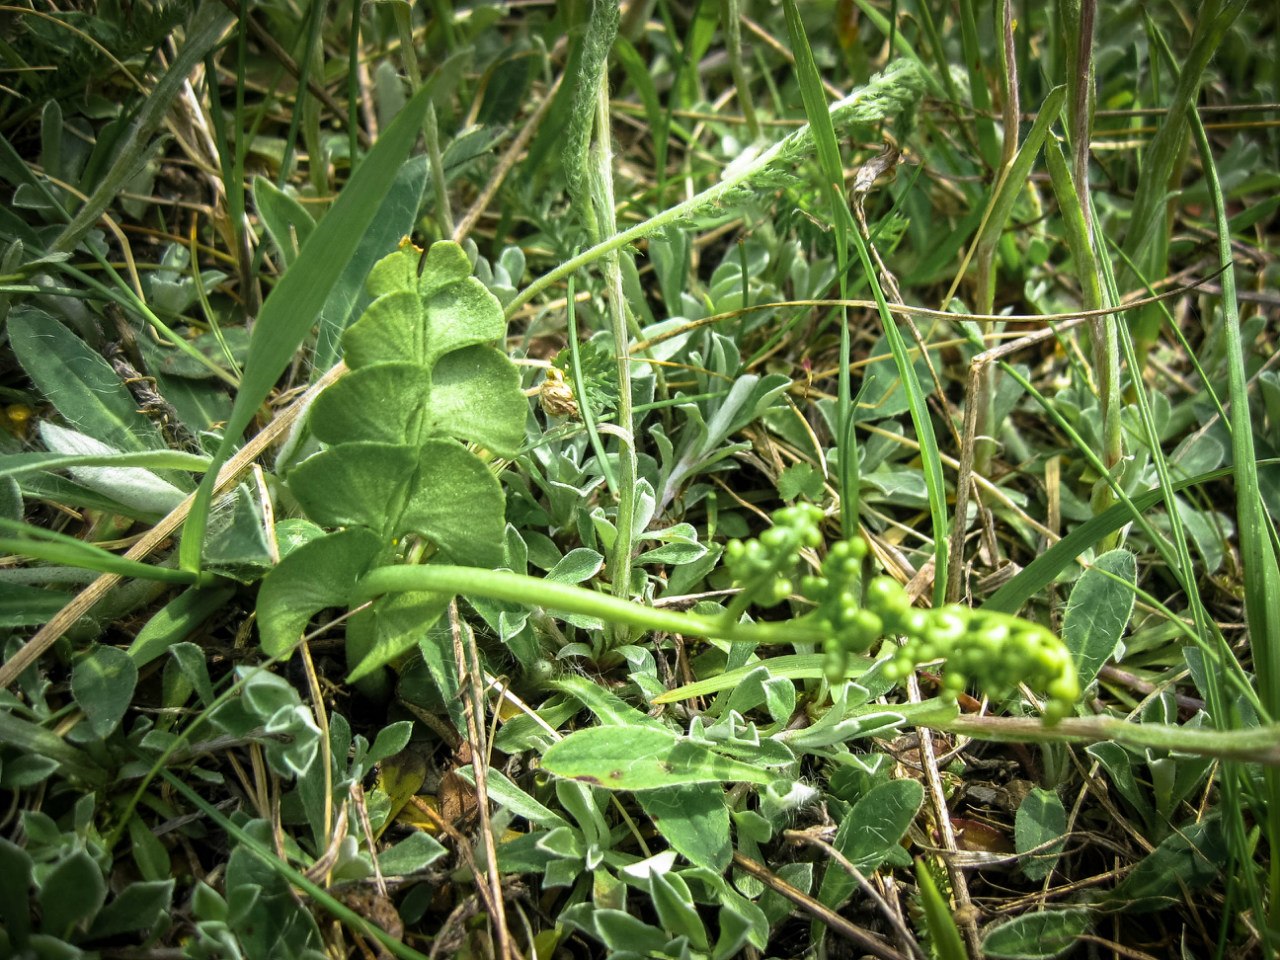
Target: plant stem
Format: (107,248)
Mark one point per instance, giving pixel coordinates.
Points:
(536,592)
(1255,745)
(603,201)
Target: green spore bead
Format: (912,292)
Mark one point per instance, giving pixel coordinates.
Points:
(835,660)
(946,627)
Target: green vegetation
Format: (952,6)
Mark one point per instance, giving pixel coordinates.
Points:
(645,480)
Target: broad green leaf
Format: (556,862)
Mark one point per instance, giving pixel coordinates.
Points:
(576,566)
(642,758)
(506,793)
(441,492)
(10,499)
(800,480)
(473,394)
(15,892)
(73,891)
(676,911)
(26,606)
(316,575)
(79,383)
(27,770)
(420,319)
(138,907)
(219,349)
(380,403)
(273,923)
(617,930)
(102,684)
(390,740)
(609,708)
(694,820)
(391,627)
(868,833)
(286,220)
(1187,860)
(148,851)
(476,395)
(30,737)
(1036,936)
(176,620)
(1098,611)
(359,484)
(393,222)
(290,311)
(414,853)
(238,545)
(190,661)
(1118,763)
(456,503)
(1041,820)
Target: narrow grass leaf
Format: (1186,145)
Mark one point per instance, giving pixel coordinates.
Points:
(17,464)
(947,944)
(42,544)
(203,33)
(1042,571)
(335,907)
(1257,528)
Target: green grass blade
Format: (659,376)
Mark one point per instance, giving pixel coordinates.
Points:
(204,32)
(1147,238)
(1041,571)
(294,304)
(16,464)
(829,161)
(947,944)
(1257,553)
(67,551)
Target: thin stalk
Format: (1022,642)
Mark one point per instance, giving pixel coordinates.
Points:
(1261,573)
(730,12)
(1106,352)
(353,84)
(431,134)
(403,13)
(313,23)
(338,909)
(984,442)
(510,587)
(580,391)
(602,191)
(1253,745)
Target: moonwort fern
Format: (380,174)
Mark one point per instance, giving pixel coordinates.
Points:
(405,476)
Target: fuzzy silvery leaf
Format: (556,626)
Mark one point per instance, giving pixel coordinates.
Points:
(132,487)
